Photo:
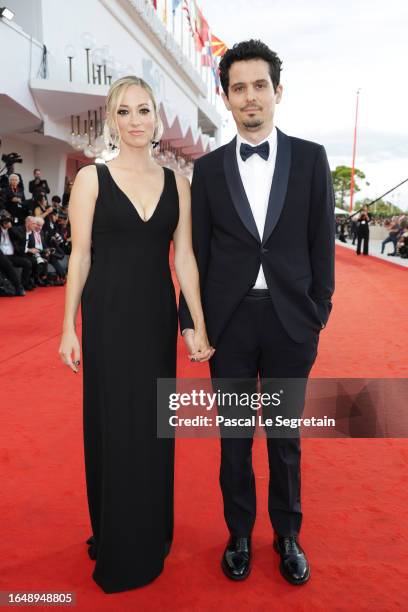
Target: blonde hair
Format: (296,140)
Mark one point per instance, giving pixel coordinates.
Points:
(115,94)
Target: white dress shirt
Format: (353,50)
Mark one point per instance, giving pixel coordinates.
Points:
(256,174)
(6,246)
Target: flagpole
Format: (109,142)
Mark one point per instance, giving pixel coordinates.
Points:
(354,155)
(173,20)
(181,29)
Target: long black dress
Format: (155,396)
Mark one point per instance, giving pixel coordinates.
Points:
(129,335)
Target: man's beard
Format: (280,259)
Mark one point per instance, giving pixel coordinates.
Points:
(252,123)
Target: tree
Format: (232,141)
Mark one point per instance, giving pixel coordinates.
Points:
(342,183)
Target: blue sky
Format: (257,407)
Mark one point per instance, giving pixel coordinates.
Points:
(330,49)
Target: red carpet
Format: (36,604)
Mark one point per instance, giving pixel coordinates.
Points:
(355,492)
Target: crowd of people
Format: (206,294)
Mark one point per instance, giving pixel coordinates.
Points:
(357,228)
(35,240)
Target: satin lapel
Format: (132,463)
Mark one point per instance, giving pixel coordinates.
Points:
(279,186)
(237,190)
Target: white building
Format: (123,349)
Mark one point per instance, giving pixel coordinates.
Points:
(40,100)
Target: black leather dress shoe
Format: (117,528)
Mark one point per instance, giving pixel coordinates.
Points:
(294,566)
(236,560)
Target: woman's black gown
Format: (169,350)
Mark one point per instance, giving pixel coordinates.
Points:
(129,336)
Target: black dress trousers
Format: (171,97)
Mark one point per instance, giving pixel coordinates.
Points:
(255,343)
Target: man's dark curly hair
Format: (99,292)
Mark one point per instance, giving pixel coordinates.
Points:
(246,50)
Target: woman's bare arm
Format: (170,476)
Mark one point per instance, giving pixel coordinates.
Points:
(81,211)
(186,266)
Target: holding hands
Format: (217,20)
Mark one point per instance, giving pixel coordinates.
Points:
(197,344)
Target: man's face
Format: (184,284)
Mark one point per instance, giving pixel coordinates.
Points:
(37,227)
(251,96)
(37,173)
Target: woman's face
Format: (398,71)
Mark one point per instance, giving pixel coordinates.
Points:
(136,117)
(14,182)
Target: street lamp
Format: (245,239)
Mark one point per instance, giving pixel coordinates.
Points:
(70,53)
(6,13)
(88,43)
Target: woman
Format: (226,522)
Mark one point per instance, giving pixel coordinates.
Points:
(130,209)
(43,209)
(15,201)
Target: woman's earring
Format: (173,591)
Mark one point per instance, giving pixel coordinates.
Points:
(112,139)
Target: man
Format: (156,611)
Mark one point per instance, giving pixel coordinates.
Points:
(32,244)
(263,235)
(11,256)
(393,236)
(38,185)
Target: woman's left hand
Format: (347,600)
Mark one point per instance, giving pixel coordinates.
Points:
(203,350)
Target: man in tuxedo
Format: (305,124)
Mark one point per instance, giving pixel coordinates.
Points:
(263,235)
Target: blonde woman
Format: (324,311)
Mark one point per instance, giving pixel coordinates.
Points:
(129,210)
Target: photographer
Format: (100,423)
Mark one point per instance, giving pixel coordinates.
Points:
(64,229)
(363,231)
(38,185)
(34,248)
(403,247)
(11,256)
(43,253)
(15,201)
(55,240)
(56,202)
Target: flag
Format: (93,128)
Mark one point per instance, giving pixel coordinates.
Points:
(175,4)
(218,47)
(201,30)
(208,59)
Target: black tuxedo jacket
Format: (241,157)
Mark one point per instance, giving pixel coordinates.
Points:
(31,240)
(296,249)
(17,235)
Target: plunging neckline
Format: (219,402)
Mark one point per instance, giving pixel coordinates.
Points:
(130,201)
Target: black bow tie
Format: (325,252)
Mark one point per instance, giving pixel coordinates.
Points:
(246,150)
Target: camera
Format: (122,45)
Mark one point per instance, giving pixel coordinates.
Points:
(57,238)
(11,158)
